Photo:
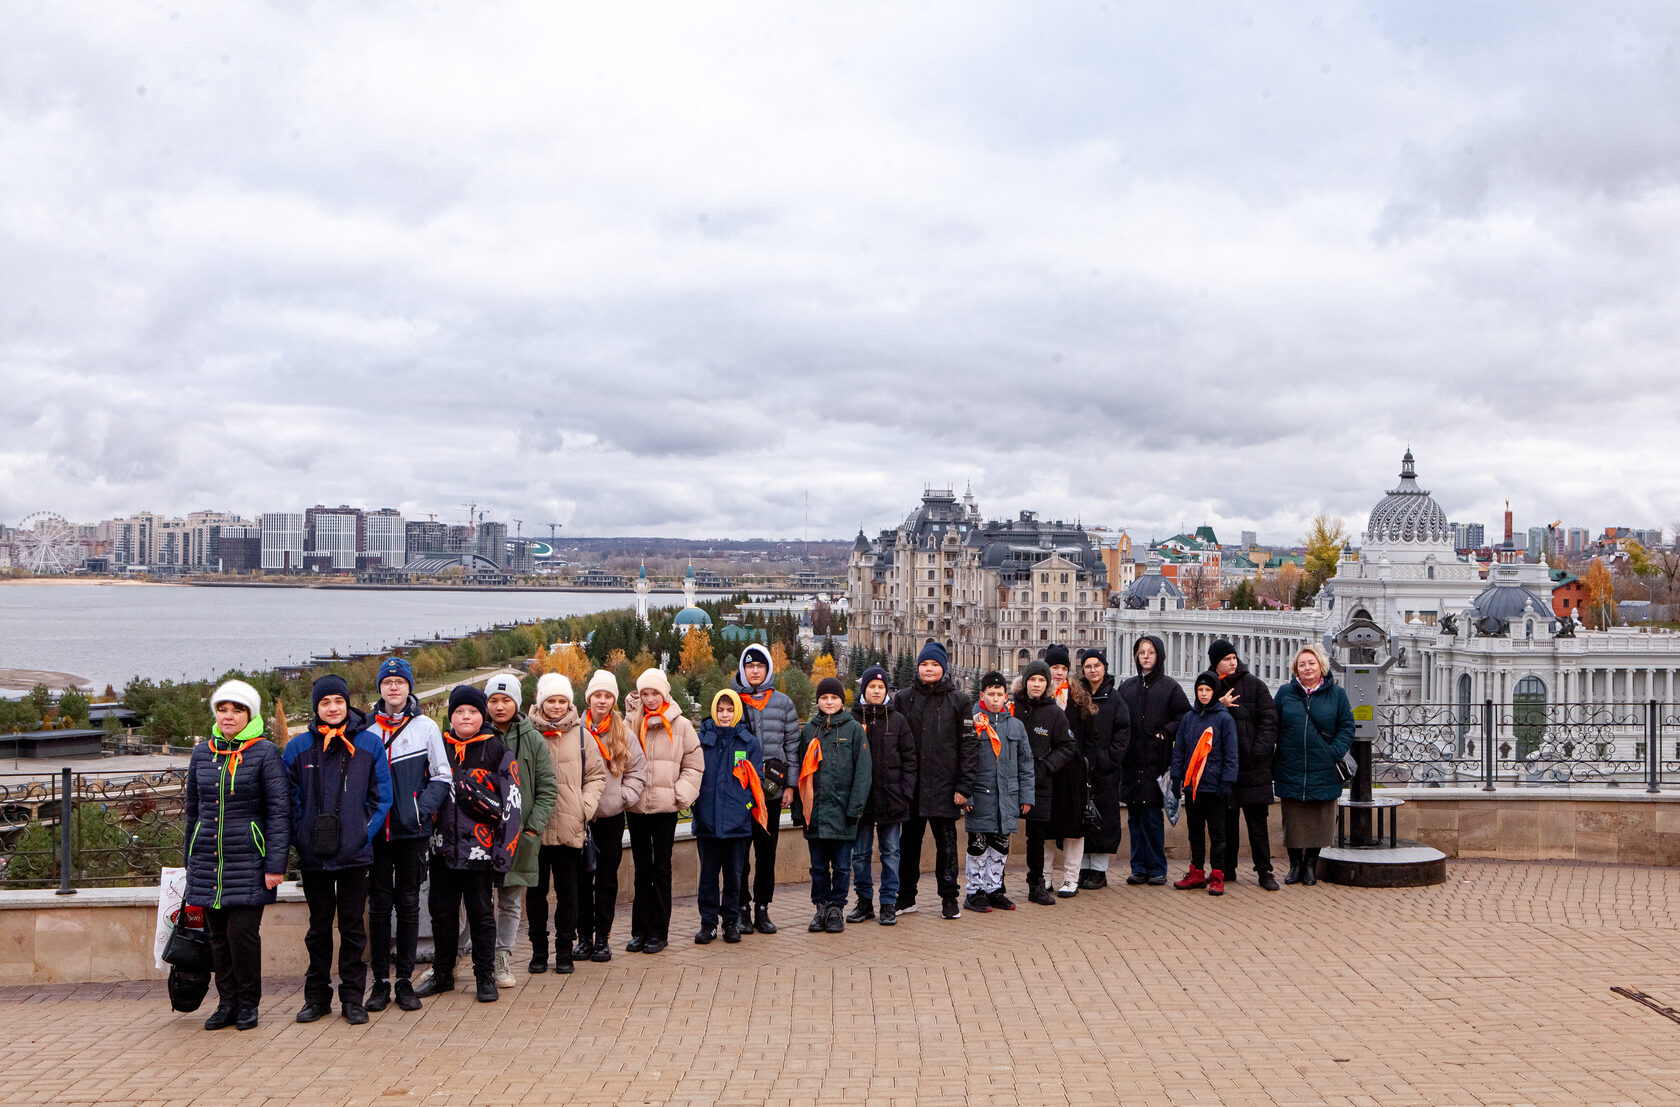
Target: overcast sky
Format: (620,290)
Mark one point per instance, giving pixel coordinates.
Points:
(663,269)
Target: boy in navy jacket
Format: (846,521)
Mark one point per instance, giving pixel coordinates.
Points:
(1204,771)
(341,793)
(730,804)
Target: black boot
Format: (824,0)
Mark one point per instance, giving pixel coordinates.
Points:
(731,931)
(539,955)
(487,992)
(864,911)
(222,1016)
(1309,868)
(1293,876)
(761,920)
(379,996)
(406,999)
(819,921)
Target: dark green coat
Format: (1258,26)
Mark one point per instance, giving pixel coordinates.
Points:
(539,790)
(1304,767)
(843,778)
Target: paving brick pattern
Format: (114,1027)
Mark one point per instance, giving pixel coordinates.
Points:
(1492,989)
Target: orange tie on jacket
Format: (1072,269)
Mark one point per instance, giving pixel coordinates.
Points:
(328,733)
(664,714)
(748,776)
(1060,695)
(808,776)
(758,702)
(984,726)
(1198,760)
(596,732)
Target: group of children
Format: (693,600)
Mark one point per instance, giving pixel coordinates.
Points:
(499,807)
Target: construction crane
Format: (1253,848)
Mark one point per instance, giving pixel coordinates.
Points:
(518,528)
(472,509)
(552,527)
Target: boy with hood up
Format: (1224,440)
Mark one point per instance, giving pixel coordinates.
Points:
(1204,770)
(730,805)
(341,793)
(419,783)
(1003,792)
(774,720)
(1155,702)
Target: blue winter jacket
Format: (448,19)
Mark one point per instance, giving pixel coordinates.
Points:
(355,787)
(239,822)
(1219,775)
(724,808)
(419,767)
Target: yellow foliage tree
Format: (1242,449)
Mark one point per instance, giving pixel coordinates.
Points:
(570,661)
(642,663)
(696,652)
(824,666)
(541,662)
(1324,547)
(1601,595)
(778,658)
(615,658)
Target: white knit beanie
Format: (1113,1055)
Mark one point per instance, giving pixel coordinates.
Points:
(602,681)
(237,691)
(508,685)
(656,679)
(553,684)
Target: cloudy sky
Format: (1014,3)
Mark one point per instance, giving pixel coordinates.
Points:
(664,269)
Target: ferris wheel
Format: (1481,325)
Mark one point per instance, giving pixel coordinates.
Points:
(45,542)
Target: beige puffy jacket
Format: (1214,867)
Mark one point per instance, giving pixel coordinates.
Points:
(579,773)
(674,764)
(623,791)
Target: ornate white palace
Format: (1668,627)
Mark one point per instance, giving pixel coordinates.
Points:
(1457,638)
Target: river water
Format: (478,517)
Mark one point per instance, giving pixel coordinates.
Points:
(109,633)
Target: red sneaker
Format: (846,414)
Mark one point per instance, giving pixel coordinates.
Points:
(1216,883)
(1195,878)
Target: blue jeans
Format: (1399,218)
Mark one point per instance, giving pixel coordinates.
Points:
(1148,829)
(831,871)
(889,835)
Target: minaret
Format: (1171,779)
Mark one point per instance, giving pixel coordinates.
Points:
(642,587)
(688,589)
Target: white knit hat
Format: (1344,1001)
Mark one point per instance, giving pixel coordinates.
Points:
(507,684)
(656,679)
(237,691)
(553,684)
(602,681)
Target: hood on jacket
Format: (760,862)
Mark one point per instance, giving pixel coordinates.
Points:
(543,725)
(730,695)
(758,650)
(1160,658)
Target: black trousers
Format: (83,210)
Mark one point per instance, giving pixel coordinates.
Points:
(236,952)
(1037,835)
(598,891)
(1259,837)
(1206,814)
(562,864)
(651,837)
(399,868)
(342,893)
(764,838)
(724,858)
(910,858)
(451,890)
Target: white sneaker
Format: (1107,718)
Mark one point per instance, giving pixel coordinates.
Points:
(424,976)
(504,970)
(911,910)
(1068,890)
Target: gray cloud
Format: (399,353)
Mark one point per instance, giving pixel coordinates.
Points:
(667,271)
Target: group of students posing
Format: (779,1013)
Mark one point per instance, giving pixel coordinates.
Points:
(508,805)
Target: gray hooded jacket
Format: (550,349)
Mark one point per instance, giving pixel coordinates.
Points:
(776,725)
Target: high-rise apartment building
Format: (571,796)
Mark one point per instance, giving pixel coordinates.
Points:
(282,541)
(385,536)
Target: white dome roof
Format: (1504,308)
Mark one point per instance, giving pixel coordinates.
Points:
(1408,514)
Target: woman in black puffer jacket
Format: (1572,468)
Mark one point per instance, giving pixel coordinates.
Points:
(239,829)
(1104,737)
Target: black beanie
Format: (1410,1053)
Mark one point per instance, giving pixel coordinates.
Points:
(1211,680)
(1099,654)
(1036,668)
(993,679)
(330,685)
(470,696)
(874,672)
(829,686)
(1219,651)
(1057,655)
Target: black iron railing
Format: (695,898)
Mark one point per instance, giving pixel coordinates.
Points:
(68,829)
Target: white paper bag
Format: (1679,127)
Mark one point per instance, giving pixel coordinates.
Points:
(172,886)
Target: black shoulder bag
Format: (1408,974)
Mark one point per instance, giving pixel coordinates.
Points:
(1347,766)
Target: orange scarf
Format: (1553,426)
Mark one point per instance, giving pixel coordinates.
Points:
(328,733)
(1061,695)
(984,725)
(808,776)
(748,776)
(758,702)
(595,732)
(666,713)
(460,745)
(1198,760)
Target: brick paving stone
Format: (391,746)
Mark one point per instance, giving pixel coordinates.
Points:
(1492,989)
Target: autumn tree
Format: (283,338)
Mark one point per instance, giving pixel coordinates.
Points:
(824,666)
(571,662)
(1601,595)
(1283,586)
(1200,585)
(822,619)
(641,663)
(1325,537)
(696,654)
(778,658)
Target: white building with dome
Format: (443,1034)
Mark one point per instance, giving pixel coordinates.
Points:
(1458,638)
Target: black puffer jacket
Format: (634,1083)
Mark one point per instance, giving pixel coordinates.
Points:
(1054,754)
(239,824)
(1257,731)
(892,753)
(942,720)
(1103,740)
(1156,703)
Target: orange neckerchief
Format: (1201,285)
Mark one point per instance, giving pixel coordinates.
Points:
(596,732)
(460,745)
(748,776)
(1198,760)
(1061,695)
(666,713)
(758,702)
(808,776)
(328,733)
(984,725)
(234,754)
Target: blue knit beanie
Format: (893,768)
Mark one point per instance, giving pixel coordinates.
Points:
(396,666)
(933,651)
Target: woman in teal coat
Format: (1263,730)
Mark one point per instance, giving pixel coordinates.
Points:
(1315,731)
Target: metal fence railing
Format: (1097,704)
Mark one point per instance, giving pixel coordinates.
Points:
(75,829)
(1527,744)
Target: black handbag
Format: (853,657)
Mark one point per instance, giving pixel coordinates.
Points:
(1347,766)
(1091,820)
(187,989)
(188,949)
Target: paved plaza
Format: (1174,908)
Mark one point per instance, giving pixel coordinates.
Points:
(1491,989)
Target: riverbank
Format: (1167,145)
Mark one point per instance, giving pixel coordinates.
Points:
(109,582)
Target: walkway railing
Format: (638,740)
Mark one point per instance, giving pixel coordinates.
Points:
(68,829)
(1488,744)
